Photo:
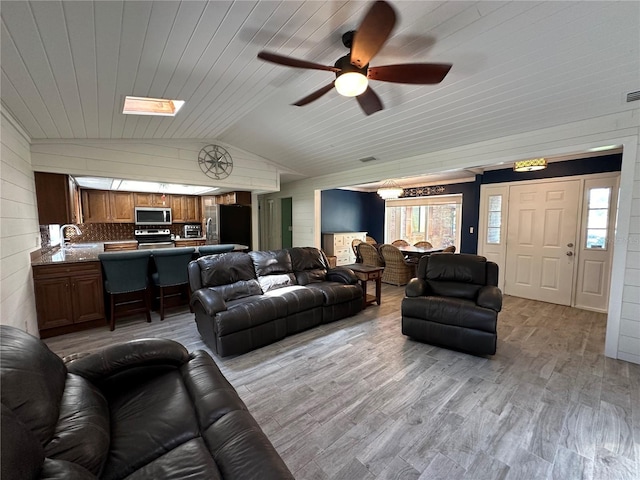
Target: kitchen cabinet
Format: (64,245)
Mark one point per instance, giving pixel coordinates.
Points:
(57,199)
(338,244)
(188,242)
(102,206)
(191,208)
(120,246)
(151,200)
(121,207)
(95,206)
(177,208)
(185,208)
(68,296)
(234,198)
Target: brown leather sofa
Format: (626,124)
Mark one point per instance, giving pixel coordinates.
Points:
(454,302)
(138,410)
(243,301)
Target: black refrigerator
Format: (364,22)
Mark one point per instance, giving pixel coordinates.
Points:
(228,224)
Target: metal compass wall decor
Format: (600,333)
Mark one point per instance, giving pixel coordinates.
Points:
(215,162)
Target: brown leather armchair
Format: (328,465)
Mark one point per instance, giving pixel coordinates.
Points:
(454,302)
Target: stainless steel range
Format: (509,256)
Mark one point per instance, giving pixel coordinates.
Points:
(154,238)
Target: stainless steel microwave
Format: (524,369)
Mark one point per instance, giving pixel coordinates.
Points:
(152,216)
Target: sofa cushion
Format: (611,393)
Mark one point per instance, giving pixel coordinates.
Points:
(450,311)
(82,432)
(22,453)
(273,269)
(33,393)
(225,268)
(142,430)
(335,292)
(249,312)
(308,265)
(298,298)
(239,289)
(457,268)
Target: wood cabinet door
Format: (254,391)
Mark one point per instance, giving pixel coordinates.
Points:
(53,302)
(192,208)
(87,297)
(142,199)
(178,208)
(95,206)
(121,207)
(53,200)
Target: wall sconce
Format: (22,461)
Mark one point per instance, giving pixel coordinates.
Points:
(390,190)
(530,165)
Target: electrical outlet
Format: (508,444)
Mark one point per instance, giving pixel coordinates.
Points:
(470,229)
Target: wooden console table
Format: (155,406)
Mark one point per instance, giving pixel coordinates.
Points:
(364,274)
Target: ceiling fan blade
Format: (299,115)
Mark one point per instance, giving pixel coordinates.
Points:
(416,73)
(369,101)
(372,33)
(314,96)
(294,62)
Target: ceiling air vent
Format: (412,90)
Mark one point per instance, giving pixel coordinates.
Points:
(368,159)
(633,96)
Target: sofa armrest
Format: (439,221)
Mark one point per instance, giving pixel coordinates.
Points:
(211,301)
(342,275)
(416,287)
(120,357)
(490,297)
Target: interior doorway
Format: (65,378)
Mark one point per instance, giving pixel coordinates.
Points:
(287,222)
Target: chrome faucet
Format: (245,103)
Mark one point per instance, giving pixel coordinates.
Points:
(62,238)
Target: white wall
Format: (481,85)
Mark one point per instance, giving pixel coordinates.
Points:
(623,327)
(169,161)
(19,231)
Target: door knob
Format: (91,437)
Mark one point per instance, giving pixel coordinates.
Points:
(570,245)
(569,254)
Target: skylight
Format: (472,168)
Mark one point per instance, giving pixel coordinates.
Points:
(151,106)
(140,186)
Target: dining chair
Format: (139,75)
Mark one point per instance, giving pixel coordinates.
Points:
(371,240)
(125,275)
(396,270)
(354,244)
(370,255)
(423,244)
(400,243)
(450,249)
(171,271)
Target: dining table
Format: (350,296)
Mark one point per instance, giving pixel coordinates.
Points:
(413,251)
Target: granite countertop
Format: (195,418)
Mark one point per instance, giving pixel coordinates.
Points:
(85,252)
(78,252)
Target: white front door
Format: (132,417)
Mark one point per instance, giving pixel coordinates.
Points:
(542,229)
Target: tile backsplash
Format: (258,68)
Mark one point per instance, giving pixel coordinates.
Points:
(102,232)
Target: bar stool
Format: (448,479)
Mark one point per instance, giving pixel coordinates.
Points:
(126,273)
(171,271)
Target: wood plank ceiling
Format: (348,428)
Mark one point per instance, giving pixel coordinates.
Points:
(517,66)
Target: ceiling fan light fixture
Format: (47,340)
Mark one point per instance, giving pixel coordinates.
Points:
(530,165)
(351,84)
(390,190)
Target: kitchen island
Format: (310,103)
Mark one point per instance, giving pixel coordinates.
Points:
(68,288)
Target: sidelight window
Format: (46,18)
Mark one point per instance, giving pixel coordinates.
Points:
(598,217)
(495,219)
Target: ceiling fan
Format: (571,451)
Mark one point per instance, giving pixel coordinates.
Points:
(353,70)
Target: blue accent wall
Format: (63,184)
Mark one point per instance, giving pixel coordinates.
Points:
(349,211)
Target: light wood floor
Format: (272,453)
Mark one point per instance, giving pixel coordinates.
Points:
(357,400)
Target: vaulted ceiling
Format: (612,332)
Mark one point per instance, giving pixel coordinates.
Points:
(517,66)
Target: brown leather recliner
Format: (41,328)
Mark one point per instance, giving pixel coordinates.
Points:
(137,410)
(454,302)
